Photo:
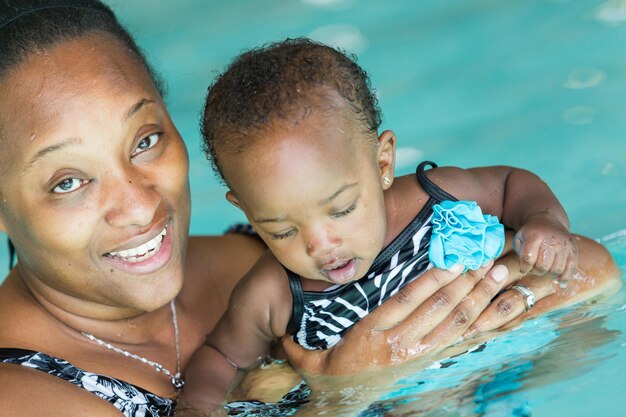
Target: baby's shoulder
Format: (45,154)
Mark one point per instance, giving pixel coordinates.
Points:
(451,181)
(266,280)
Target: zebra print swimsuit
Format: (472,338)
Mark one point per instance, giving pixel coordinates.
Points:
(320,318)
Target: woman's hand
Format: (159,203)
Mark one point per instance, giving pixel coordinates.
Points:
(427,315)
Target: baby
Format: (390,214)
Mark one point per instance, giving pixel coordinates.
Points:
(292,129)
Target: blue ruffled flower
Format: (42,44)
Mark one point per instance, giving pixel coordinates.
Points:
(463,235)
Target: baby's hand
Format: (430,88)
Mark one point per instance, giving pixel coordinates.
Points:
(545,246)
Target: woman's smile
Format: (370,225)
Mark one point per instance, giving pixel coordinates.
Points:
(142,252)
(148,257)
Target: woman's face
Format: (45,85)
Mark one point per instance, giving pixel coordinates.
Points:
(93,179)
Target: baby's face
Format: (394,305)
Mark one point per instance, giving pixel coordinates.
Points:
(314,193)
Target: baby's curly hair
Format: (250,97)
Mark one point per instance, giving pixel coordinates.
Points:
(274,83)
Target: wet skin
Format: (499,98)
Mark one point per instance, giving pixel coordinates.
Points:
(319,203)
(96,166)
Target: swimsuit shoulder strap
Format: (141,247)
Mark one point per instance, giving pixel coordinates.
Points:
(430,187)
(131,400)
(298,302)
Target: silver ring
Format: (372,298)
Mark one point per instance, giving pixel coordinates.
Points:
(529,296)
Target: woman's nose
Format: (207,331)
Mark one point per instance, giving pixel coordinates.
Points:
(131,200)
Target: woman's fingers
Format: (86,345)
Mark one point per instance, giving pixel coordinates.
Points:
(437,307)
(406,300)
(464,314)
(301,358)
(511,303)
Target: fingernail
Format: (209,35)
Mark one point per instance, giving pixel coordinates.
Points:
(456,268)
(499,273)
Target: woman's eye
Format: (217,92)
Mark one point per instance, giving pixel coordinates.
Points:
(147,143)
(68,185)
(345,212)
(279,236)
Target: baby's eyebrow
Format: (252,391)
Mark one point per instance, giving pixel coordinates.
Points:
(271,220)
(336,193)
(321,202)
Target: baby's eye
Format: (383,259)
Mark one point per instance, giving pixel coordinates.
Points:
(279,236)
(345,212)
(68,185)
(148,142)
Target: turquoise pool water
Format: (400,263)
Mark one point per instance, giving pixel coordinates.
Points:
(538,84)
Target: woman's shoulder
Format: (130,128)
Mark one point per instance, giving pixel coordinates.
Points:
(229,256)
(20,385)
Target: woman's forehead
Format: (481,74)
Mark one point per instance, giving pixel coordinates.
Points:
(84,82)
(85,73)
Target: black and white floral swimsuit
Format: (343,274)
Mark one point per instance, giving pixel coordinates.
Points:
(131,400)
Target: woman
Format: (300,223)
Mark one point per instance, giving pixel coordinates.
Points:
(109,294)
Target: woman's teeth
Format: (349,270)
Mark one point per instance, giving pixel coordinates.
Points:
(141,252)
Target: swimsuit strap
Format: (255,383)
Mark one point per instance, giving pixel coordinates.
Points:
(297,309)
(430,187)
(129,399)
(11,253)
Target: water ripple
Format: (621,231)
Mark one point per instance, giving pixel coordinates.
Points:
(612,12)
(579,115)
(584,78)
(345,36)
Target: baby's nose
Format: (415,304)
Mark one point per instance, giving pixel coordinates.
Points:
(321,243)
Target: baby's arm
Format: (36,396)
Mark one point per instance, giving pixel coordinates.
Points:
(257,314)
(525,204)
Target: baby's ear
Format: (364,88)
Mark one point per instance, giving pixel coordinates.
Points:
(387,157)
(232,199)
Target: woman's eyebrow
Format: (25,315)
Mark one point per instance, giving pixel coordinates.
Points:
(57,146)
(49,149)
(137,106)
